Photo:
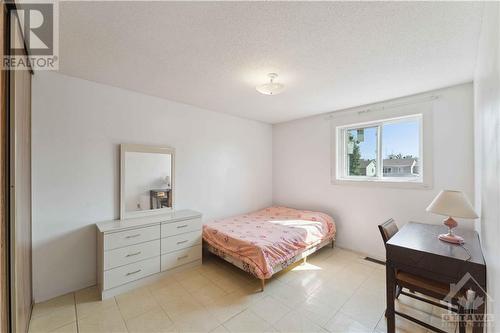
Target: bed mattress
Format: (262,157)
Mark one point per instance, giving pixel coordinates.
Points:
(269,238)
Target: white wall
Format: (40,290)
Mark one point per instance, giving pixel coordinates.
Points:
(487,121)
(223,167)
(302,179)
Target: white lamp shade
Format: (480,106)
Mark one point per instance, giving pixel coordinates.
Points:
(271,88)
(453,204)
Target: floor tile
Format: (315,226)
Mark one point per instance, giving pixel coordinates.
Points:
(227,282)
(220,329)
(375,283)
(136,302)
(341,323)
(270,309)
(413,311)
(70,328)
(295,321)
(196,321)
(103,327)
(287,294)
(168,291)
(331,296)
(208,294)
(154,321)
(55,304)
(361,267)
(228,306)
(107,320)
(403,325)
(185,274)
(247,321)
(181,306)
(309,282)
(334,290)
(365,307)
(88,302)
(195,282)
(350,278)
(319,309)
(162,283)
(415,303)
(52,320)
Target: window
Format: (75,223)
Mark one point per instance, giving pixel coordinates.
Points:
(387,150)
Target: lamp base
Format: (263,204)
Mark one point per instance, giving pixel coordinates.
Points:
(450,238)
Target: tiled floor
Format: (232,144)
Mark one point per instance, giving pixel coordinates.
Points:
(335,291)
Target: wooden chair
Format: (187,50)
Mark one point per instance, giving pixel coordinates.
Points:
(421,285)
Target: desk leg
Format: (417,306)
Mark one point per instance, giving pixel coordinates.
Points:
(390,290)
(477,325)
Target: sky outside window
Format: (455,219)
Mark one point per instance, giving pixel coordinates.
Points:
(398,138)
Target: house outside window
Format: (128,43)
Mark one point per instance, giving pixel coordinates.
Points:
(386,151)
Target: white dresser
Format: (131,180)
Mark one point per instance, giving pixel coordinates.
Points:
(137,251)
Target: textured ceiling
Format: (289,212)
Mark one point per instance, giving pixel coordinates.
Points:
(330,55)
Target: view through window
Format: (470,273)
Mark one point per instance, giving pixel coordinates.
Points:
(400,148)
(388,150)
(362,151)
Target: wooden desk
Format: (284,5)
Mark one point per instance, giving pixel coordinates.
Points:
(415,249)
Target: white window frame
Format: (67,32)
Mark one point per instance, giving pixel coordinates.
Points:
(340,127)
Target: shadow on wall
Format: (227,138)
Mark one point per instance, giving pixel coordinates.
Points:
(55,269)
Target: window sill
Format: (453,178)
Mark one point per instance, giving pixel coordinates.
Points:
(400,183)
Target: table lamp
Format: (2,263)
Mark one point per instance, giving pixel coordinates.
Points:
(452,203)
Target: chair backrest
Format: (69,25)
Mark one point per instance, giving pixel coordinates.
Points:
(388,229)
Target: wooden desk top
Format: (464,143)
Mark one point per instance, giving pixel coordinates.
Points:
(161,190)
(423,238)
(415,249)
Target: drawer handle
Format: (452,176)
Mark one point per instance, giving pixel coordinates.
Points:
(133,236)
(182,242)
(133,254)
(134,272)
(183,257)
(182,226)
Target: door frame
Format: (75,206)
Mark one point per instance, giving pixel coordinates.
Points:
(5,314)
(8,311)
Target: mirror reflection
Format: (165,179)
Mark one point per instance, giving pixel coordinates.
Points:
(148,181)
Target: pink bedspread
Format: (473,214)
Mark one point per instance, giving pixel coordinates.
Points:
(268,237)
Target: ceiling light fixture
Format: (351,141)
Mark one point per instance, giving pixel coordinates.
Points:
(271,88)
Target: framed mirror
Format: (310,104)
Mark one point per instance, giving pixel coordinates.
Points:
(146,180)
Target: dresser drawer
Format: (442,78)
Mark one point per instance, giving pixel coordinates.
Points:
(175,228)
(130,237)
(181,257)
(121,275)
(182,241)
(129,254)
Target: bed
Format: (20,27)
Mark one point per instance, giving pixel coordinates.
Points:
(265,242)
